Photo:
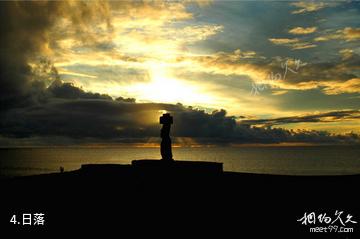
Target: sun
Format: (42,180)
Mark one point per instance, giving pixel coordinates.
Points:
(165,88)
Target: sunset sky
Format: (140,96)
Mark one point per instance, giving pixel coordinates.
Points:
(283,64)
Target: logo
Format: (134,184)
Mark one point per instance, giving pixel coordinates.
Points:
(338,222)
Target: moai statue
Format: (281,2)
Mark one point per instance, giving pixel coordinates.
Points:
(166,120)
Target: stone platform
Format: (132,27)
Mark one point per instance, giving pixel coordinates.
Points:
(152,166)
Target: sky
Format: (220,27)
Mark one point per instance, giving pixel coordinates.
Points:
(229,71)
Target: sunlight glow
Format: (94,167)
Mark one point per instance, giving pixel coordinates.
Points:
(167,89)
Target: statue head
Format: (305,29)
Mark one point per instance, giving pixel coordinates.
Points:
(166,119)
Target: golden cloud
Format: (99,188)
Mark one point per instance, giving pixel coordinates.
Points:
(293,43)
(302,45)
(141,31)
(283,41)
(338,87)
(322,38)
(305,7)
(302,30)
(334,78)
(279,92)
(333,87)
(233,63)
(346,53)
(351,34)
(347,34)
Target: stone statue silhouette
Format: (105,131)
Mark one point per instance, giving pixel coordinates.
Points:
(166,120)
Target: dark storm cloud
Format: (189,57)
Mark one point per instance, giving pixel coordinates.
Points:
(332,116)
(68,112)
(22,33)
(58,89)
(24,28)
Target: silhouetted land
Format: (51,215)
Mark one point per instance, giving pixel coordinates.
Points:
(178,199)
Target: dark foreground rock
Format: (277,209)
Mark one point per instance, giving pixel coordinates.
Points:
(156,199)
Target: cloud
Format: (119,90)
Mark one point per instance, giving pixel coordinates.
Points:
(283,41)
(72,115)
(346,53)
(336,87)
(197,33)
(68,91)
(293,43)
(279,92)
(26,31)
(348,34)
(226,63)
(302,30)
(302,45)
(305,7)
(68,111)
(351,34)
(338,76)
(332,116)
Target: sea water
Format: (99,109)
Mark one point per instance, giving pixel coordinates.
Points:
(294,160)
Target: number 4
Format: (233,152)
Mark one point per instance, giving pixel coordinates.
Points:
(13,219)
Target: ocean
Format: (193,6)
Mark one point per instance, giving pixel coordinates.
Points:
(294,160)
